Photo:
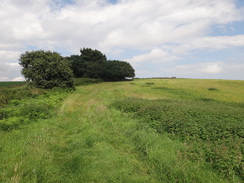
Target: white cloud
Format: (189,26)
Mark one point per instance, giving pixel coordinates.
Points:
(6,56)
(209,43)
(209,70)
(18,79)
(161,31)
(4,78)
(155,56)
(9,71)
(212,69)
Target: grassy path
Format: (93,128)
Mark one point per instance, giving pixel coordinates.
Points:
(88,141)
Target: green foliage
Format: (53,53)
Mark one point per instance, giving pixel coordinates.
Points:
(88,64)
(21,112)
(46,69)
(117,71)
(93,64)
(8,94)
(90,55)
(213,131)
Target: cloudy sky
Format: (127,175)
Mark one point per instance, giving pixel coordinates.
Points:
(159,38)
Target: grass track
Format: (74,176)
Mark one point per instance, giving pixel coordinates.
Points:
(90,142)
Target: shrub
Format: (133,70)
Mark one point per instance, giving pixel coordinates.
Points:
(46,69)
(213,89)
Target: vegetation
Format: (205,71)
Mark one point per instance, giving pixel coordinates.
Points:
(88,64)
(21,106)
(45,69)
(160,130)
(86,81)
(17,92)
(117,71)
(94,64)
(212,131)
(11,83)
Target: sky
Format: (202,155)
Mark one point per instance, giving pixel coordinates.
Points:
(160,38)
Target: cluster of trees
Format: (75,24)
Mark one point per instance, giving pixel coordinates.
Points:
(94,64)
(46,69)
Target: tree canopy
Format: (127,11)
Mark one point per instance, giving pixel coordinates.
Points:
(118,71)
(46,69)
(94,64)
(88,64)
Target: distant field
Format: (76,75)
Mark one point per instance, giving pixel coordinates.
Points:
(11,83)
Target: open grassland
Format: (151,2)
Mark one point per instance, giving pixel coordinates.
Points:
(147,130)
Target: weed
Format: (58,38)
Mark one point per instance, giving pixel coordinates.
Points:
(213,89)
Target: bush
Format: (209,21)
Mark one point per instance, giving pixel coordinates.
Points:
(213,89)
(45,69)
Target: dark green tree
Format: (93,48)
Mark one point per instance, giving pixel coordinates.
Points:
(88,64)
(118,71)
(94,64)
(46,69)
(77,65)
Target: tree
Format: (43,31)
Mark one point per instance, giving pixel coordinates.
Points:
(118,71)
(77,65)
(46,69)
(94,64)
(88,64)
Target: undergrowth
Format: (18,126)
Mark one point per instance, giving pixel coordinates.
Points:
(212,131)
(27,107)
(86,81)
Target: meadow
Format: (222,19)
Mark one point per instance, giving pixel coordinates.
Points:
(146,130)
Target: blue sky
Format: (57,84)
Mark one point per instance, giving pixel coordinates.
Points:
(160,38)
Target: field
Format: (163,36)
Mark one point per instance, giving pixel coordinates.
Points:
(11,83)
(146,130)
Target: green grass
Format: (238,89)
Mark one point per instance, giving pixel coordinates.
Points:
(90,140)
(86,81)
